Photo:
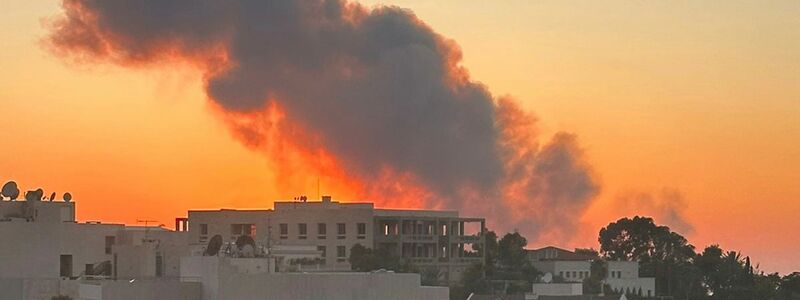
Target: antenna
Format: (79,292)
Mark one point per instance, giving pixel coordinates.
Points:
(318,195)
(146,228)
(10,190)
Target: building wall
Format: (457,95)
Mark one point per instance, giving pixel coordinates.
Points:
(632,285)
(33,249)
(267,226)
(557,289)
(161,289)
(571,271)
(623,269)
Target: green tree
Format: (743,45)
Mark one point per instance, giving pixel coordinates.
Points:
(365,259)
(511,250)
(662,254)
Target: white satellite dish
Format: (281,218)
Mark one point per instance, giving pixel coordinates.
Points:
(547,277)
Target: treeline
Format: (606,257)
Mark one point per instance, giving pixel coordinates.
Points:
(680,271)
(683,273)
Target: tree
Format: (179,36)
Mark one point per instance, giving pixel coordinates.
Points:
(662,254)
(790,286)
(365,259)
(511,250)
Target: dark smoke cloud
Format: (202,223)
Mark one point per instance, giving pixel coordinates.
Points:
(378,87)
(666,206)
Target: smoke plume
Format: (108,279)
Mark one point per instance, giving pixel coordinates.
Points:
(371,97)
(667,206)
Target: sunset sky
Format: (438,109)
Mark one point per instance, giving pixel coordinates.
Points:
(687,110)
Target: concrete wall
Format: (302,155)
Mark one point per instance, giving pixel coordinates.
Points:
(36,289)
(33,249)
(160,289)
(565,269)
(648,285)
(557,289)
(329,286)
(625,269)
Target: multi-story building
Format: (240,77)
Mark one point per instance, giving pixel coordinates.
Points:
(429,239)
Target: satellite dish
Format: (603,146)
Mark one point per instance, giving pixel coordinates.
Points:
(34,195)
(67,197)
(10,190)
(214,244)
(52,196)
(244,240)
(547,278)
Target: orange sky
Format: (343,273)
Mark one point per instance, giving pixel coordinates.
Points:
(699,98)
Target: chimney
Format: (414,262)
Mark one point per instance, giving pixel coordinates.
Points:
(326,199)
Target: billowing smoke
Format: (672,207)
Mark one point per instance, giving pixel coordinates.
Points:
(667,207)
(373,96)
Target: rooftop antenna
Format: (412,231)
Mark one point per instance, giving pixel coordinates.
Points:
(146,228)
(10,190)
(318,195)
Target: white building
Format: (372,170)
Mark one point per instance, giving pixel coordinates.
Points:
(46,252)
(623,276)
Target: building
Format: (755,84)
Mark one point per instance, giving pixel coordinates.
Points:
(297,244)
(569,266)
(429,239)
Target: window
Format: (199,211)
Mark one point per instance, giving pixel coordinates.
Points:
(243,229)
(362,228)
(322,230)
(284,229)
(323,254)
(340,230)
(302,229)
(110,242)
(203,229)
(159,265)
(561,274)
(574,275)
(341,254)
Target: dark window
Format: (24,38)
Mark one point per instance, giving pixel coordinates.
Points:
(110,240)
(362,228)
(341,228)
(321,229)
(203,229)
(159,265)
(88,269)
(341,253)
(65,269)
(243,229)
(302,228)
(284,229)
(324,251)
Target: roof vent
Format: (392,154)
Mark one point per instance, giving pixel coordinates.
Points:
(326,199)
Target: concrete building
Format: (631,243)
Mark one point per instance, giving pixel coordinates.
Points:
(568,266)
(48,253)
(428,239)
